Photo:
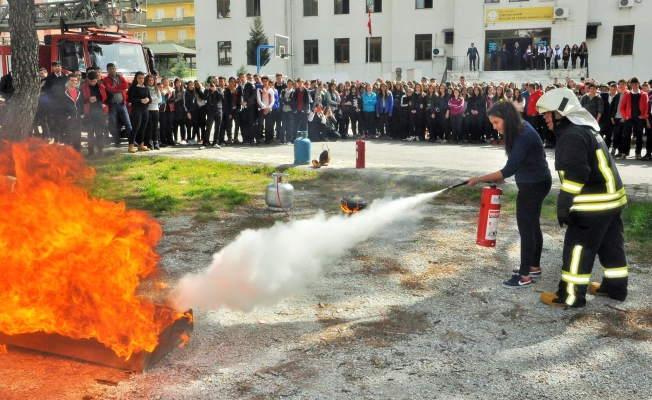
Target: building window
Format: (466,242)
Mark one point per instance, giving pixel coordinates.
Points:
(137,35)
(342,50)
(422,47)
(449,37)
(160,36)
(224,56)
(144,36)
(424,4)
(253,8)
(158,15)
(182,35)
(223,8)
(178,16)
(341,7)
(375,6)
(310,8)
(311,52)
(623,41)
(516,1)
(492,1)
(374,49)
(592,32)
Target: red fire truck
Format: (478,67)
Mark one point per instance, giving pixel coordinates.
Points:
(92,44)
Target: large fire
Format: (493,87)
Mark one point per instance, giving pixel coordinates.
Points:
(70,264)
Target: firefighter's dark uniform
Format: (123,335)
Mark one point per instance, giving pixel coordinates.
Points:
(590,202)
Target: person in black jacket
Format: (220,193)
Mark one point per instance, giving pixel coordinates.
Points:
(606,126)
(477,112)
(617,118)
(139,98)
(472,53)
(231,110)
(178,121)
(214,115)
(166,113)
(300,101)
(248,113)
(70,109)
(55,79)
(191,108)
(287,113)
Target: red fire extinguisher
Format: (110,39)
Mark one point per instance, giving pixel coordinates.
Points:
(359,153)
(489,215)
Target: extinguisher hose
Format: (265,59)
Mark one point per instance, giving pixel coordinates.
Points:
(278,194)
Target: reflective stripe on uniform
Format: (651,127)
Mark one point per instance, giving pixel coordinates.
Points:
(573,268)
(589,198)
(601,206)
(571,187)
(620,272)
(583,279)
(607,173)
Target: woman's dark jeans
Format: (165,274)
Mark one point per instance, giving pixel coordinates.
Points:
(528,214)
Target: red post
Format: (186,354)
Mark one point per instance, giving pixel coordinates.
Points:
(359,153)
(489,215)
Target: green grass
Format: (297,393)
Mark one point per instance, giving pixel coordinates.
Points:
(637,219)
(169,185)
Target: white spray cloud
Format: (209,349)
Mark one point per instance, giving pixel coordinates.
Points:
(262,267)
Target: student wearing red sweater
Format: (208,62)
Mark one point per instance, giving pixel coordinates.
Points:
(532,115)
(634,110)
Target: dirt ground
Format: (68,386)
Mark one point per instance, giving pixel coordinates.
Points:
(417,311)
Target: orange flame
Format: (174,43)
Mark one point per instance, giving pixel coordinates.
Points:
(69,263)
(184,339)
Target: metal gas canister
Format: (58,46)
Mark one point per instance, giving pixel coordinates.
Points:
(279,195)
(302,149)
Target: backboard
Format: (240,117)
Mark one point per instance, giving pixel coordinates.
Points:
(281,46)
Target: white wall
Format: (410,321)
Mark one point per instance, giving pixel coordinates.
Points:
(400,22)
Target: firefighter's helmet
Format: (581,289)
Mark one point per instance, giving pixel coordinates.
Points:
(565,102)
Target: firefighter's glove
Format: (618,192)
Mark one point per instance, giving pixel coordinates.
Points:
(564,203)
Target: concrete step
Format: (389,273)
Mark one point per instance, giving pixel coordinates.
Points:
(545,77)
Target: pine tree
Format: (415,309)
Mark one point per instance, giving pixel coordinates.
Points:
(257,38)
(242,70)
(180,68)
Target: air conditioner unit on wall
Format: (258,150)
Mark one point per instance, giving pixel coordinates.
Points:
(439,52)
(561,12)
(625,3)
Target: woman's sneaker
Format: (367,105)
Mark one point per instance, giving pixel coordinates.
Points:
(517,282)
(534,272)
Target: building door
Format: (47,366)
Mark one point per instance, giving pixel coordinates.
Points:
(514,60)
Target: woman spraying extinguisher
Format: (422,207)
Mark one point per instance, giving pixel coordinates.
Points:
(526,160)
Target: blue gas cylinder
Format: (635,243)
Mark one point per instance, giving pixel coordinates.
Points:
(302,149)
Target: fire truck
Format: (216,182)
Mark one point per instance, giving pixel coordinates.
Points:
(85,39)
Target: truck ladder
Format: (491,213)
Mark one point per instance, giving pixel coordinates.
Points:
(83,14)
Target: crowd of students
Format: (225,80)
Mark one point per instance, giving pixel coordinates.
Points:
(152,113)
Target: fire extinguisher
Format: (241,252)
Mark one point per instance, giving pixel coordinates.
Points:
(359,153)
(489,215)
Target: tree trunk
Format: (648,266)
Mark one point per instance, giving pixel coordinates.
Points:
(21,108)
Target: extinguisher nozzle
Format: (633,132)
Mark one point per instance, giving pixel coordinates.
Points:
(448,189)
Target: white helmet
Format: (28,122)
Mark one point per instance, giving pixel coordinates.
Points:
(565,102)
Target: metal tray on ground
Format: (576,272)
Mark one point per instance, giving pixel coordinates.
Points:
(96,352)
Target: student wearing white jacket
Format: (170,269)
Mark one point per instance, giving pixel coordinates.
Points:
(152,135)
(556,54)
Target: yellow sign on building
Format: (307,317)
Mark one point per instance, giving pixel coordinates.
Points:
(524,14)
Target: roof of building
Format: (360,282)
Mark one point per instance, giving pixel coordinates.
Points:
(161,49)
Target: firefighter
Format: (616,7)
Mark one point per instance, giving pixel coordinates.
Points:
(590,202)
